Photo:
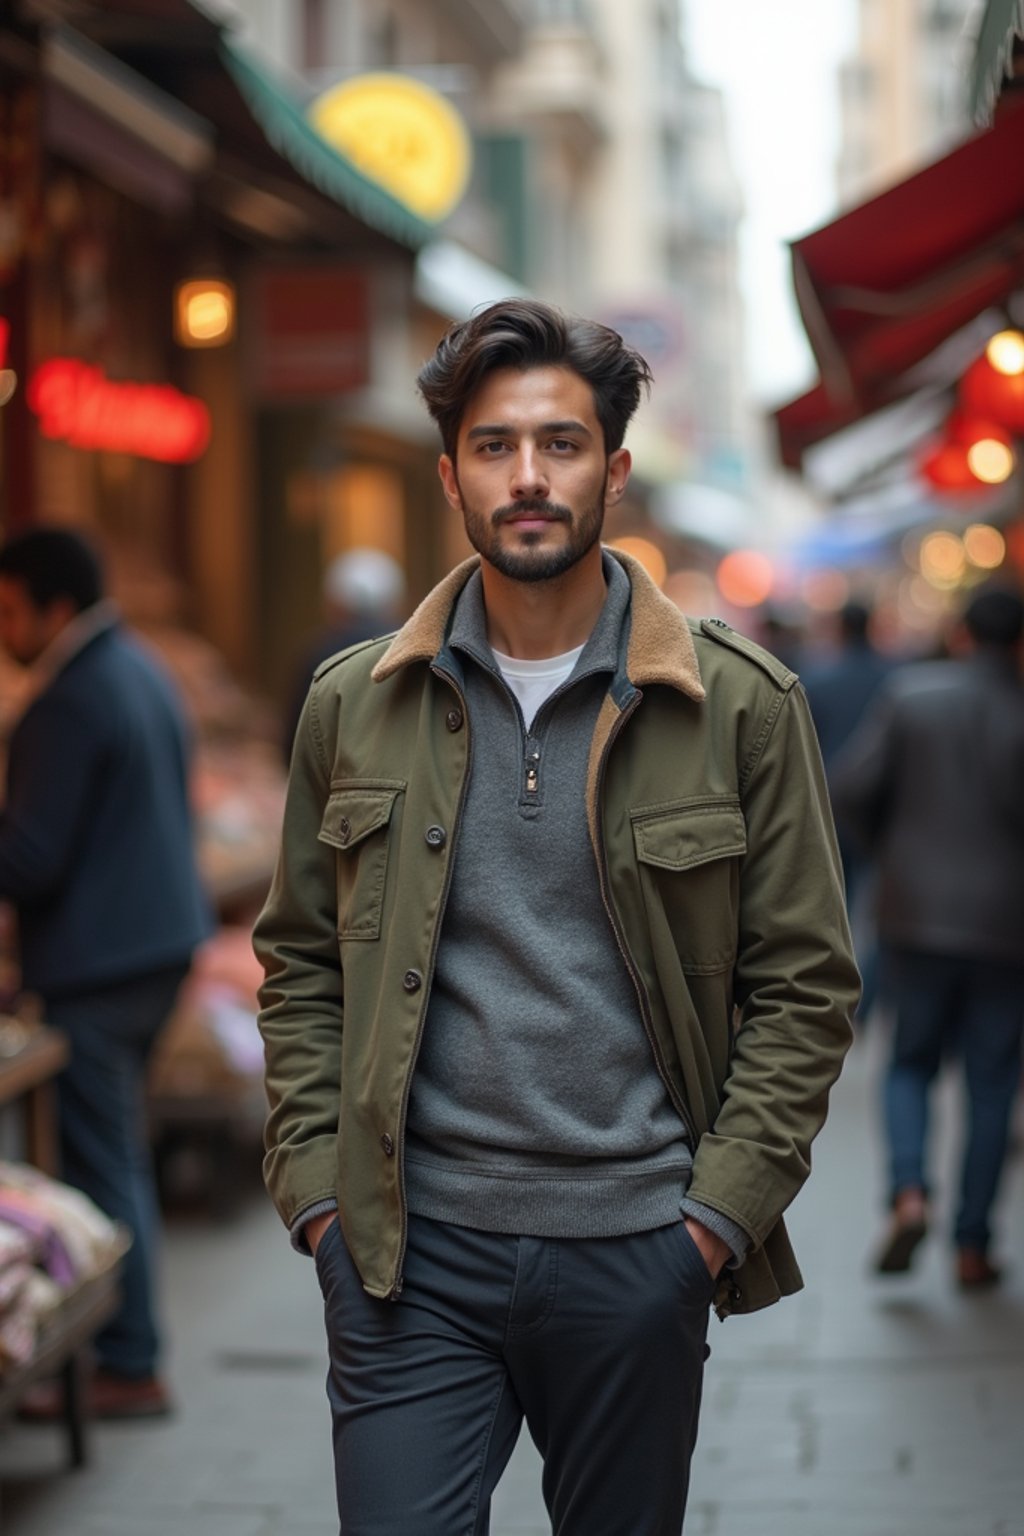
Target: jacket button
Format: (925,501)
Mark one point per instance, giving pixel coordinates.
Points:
(453,719)
(436,837)
(412,981)
(388,1144)
(344,827)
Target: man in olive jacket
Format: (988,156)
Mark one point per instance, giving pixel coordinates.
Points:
(558,979)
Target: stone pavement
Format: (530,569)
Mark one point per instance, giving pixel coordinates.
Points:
(859,1408)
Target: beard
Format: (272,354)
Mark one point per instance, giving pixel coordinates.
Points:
(528,561)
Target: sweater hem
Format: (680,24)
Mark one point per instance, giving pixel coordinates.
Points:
(580,1203)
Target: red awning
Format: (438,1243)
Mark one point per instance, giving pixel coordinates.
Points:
(881,287)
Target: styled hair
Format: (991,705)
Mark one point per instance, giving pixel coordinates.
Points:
(54,563)
(995,617)
(524,333)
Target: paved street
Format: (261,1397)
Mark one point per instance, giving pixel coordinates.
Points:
(856,1409)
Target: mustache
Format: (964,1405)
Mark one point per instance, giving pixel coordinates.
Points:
(547,509)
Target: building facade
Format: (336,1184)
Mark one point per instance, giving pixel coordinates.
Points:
(903,92)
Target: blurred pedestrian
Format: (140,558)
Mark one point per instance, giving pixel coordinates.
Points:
(839,689)
(96,855)
(931,784)
(363,597)
(536,848)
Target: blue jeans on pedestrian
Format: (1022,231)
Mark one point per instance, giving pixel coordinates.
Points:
(598,1343)
(104,1141)
(972,1009)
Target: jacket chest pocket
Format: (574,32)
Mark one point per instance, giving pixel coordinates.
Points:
(689,858)
(357,822)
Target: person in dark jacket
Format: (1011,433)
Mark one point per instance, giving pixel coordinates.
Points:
(839,690)
(96,856)
(931,783)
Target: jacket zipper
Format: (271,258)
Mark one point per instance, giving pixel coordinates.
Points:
(602,873)
(396,1289)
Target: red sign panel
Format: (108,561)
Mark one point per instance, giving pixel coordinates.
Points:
(310,336)
(78,404)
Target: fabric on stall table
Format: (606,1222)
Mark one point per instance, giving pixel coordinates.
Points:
(15,1246)
(12,1278)
(89,1238)
(21,1323)
(21,1210)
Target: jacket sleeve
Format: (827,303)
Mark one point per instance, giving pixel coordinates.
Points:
(796,985)
(301,999)
(56,756)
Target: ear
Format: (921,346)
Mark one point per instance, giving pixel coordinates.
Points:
(450,481)
(619,465)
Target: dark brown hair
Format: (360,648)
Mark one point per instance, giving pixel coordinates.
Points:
(524,333)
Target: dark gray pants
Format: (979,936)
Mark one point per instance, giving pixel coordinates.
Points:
(599,1343)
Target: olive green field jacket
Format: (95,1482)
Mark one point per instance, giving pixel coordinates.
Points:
(717,861)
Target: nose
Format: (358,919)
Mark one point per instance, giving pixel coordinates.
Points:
(529,477)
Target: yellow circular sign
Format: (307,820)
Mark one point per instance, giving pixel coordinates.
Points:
(402,134)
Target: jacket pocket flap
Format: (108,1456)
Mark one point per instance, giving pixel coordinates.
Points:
(685,837)
(352,814)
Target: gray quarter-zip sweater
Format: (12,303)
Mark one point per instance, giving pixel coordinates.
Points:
(506,1131)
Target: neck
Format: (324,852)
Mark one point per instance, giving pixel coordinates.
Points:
(532,620)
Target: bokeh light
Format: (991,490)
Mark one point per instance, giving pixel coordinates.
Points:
(745,578)
(825,591)
(648,554)
(693,592)
(943,559)
(985,546)
(990,460)
(1005,352)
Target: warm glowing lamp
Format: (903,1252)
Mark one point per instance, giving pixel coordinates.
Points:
(945,467)
(972,451)
(989,392)
(1005,351)
(204,312)
(990,460)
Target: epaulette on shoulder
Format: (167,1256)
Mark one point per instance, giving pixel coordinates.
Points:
(346,655)
(724,634)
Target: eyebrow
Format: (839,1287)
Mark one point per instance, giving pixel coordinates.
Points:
(551,428)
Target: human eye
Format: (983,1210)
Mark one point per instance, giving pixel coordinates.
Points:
(563,445)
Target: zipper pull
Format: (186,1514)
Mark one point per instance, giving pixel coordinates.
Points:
(532,772)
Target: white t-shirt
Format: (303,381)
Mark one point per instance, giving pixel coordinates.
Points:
(534,681)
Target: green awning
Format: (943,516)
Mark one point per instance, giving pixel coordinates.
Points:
(1001,23)
(286,128)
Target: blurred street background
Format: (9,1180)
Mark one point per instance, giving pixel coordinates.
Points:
(231,231)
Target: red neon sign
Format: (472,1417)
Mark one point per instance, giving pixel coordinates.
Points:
(78,404)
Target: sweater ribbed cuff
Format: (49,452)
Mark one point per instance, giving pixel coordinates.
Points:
(297,1230)
(720,1225)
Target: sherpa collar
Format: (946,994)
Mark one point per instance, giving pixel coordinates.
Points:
(660,646)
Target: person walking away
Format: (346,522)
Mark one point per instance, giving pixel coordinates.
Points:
(839,689)
(96,856)
(931,785)
(537,848)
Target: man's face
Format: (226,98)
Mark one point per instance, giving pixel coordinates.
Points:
(25,629)
(531,476)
